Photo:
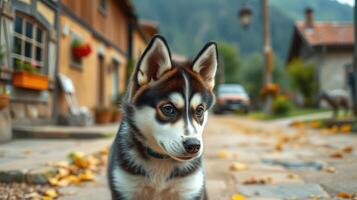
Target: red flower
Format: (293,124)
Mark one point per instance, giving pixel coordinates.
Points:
(82,50)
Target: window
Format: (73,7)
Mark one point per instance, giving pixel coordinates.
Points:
(29,43)
(115,80)
(102,6)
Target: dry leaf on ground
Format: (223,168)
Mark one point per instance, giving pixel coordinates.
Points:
(223,154)
(261,180)
(293,176)
(348,149)
(346,128)
(330,169)
(236,166)
(52,193)
(336,154)
(345,195)
(238,197)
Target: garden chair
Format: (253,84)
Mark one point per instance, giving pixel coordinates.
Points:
(78,115)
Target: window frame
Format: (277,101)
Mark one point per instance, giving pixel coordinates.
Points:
(43,44)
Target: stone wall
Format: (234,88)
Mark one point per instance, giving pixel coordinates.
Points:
(5,125)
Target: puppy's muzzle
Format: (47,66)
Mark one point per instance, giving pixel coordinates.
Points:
(192,145)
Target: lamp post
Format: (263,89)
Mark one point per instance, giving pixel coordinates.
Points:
(245,16)
(355,55)
(245,20)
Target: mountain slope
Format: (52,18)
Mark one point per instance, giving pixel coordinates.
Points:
(188,24)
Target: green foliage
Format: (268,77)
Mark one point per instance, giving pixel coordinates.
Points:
(2,54)
(26,66)
(251,75)
(2,90)
(228,61)
(76,43)
(304,79)
(281,106)
(252,72)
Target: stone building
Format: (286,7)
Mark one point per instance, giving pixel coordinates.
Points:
(328,46)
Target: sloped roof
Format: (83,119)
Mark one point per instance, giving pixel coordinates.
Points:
(326,33)
(149,27)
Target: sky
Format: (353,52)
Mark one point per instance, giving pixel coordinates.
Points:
(349,2)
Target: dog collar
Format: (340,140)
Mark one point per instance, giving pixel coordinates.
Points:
(155,154)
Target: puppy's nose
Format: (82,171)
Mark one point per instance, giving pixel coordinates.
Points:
(192,145)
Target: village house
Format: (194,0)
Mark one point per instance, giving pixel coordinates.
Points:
(326,45)
(29,38)
(90,43)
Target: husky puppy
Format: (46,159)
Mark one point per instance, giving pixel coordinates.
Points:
(157,153)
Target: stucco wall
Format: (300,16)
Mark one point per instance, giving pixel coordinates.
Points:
(86,80)
(138,46)
(332,71)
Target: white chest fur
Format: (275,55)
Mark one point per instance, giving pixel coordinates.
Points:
(156,185)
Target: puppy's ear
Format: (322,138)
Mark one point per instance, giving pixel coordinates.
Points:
(154,62)
(206,63)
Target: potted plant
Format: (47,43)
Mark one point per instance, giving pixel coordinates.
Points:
(116,115)
(103,115)
(116,107)
(27,76)
(4,98)
(80,49)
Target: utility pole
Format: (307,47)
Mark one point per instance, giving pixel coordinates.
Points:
(268,55)
(355,54)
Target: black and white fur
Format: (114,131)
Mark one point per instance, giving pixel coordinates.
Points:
(157,153)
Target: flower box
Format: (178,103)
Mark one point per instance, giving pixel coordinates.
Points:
(4,101)
(30,80)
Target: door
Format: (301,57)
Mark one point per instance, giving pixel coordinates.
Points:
(101,81)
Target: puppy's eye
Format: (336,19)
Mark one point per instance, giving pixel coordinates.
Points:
(168,110)
(199,111)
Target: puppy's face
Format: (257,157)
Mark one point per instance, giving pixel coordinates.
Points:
(171,102)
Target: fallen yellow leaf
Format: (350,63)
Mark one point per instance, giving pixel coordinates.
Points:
(82,162)
(64,182)
(330,169)
(333,129)
(86,176)
(238,197)
(63,172)
(278,146)
(76,155)
(346,128)
(238,166)
(336,154)
(74,179)
(223,154)
(53,181)
(345,195)
(51,193)
(348,149)
(315,124)
(104,151)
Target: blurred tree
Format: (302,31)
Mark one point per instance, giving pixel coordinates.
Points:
(280,74)
(303,80)
(228,62)
(251,76)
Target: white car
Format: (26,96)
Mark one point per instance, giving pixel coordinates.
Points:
(231,97)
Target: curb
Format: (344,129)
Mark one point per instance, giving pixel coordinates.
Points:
(35,176)
(24,132)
